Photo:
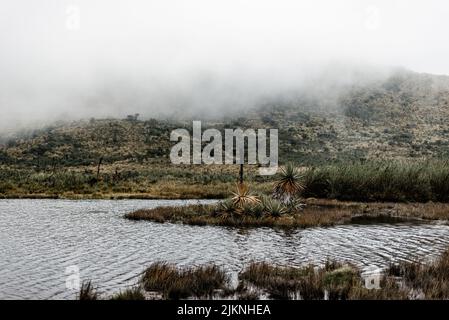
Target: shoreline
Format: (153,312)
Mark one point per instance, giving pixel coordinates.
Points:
(323,202)
(114,196)
(316,213)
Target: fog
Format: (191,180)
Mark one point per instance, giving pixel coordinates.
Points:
(105,58)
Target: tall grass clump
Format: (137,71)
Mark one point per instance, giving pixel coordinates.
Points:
(129,294)
(334,280)
(176,283)
(380,181)
(429,280)
(87,291)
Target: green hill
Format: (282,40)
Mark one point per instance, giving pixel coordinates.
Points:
(403,117)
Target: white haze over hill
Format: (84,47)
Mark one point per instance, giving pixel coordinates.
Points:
(82,58)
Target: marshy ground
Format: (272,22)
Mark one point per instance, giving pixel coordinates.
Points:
(383,188)
(382,181)
(333,281)
(316,212)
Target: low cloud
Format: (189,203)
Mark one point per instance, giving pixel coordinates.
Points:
(97,58)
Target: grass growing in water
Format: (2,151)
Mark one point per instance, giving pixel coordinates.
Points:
(333,281)
(406,280)
(87,291)
(129,294)
(176,283)
(430,281)
(306,283)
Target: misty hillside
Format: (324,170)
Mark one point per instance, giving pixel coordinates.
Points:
(404,116)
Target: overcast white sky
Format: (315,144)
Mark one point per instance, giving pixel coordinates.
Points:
(100,57)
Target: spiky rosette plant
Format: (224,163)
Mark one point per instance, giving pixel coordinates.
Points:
(225,209)
(289,185)
(226,206)
(295,205)
(243,197)
(273,207)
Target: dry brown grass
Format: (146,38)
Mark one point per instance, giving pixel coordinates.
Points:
(316,213)
(431,281)
(333,280)
(429,210)
(407,280)
(176,283)
(205,215)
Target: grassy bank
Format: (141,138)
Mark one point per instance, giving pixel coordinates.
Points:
(152,181)
(333,281)
(395,181)
(317,212)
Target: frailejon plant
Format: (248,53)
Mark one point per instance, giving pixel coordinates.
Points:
(273,207)
(226,206)
(243,196)
(289,185)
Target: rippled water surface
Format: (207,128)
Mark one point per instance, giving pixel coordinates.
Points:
(39,239)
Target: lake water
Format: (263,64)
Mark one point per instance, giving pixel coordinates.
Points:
(40,239)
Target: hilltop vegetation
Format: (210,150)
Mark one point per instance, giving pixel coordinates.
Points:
(404,118)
